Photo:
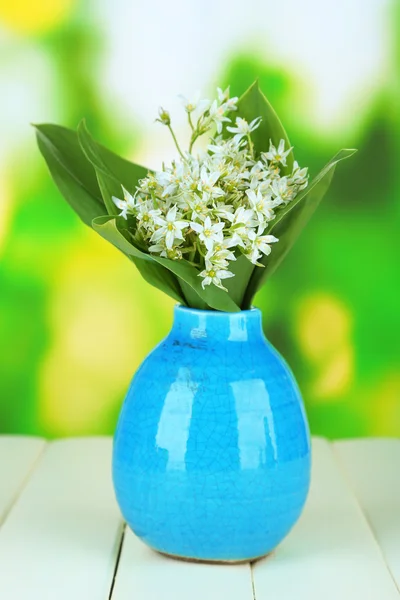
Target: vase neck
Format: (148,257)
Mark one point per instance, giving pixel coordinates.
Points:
(201,325)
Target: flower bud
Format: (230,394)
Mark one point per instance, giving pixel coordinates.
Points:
(165,119)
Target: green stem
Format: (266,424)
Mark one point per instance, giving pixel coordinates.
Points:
(194,137)
(193,253)
(176,142)
(153,197)
(190,121)
(251,145)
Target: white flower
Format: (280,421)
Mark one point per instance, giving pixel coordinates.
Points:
(214,274)
(223,97)
(172,253)
(261,205)
(220,254)
(217,115)
(244,128)
(170,228)
(146,215)
(260,244)
(126,205)
(277,155)
(223,211)
(244,220)
(299,176)
(194,103)
(209,232)
(171,179)
(225,148)
(199,206)
(221,258)
(282,191)
(208,181)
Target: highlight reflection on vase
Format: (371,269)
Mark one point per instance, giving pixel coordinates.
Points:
(212,451)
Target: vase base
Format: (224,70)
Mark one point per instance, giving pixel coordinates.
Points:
(212,561)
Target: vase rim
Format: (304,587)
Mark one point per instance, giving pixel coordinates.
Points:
(216,313)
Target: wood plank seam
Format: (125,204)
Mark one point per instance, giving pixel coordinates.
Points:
(24,483)
(121,543)
(345,475)
(253,585)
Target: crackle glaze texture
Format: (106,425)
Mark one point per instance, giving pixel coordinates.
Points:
(212,450)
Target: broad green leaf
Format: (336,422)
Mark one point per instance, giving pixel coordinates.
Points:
(242,269)
(116,171)
(253,104)
(152,272)
(192,298)
(72,172)
(109,187)
(290,222)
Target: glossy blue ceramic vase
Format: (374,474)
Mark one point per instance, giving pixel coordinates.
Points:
(212,450)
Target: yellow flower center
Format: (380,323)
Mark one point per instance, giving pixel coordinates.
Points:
(170,226)
(211,273)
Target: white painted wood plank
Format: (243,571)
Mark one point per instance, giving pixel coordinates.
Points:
(18,457)
(331,553)
(373,469)
(61,538)
(146,575)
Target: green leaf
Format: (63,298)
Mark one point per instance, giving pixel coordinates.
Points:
(192,298)
(71,171)
(112,170)
(253,104)
(242,269)
(291,220)
(152,272)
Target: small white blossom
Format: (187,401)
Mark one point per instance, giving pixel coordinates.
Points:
(208,181)
(214,274)
(218,115)
(282,191)
(278,155)
(170,228)
(244,221)
(223,211)
(126,205)
(199,206)
(209,233)
(161,249)
(299,176)
(260,244)
(223,97)
(261,205)
(146,215)
(194,103)
(243,128)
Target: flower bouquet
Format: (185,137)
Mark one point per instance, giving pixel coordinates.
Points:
(211,457)
(202,229)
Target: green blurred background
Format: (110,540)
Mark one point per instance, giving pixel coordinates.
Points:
(76,319)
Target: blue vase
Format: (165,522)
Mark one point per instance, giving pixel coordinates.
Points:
(212,450)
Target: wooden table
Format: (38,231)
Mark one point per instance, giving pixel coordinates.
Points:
(62,537)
